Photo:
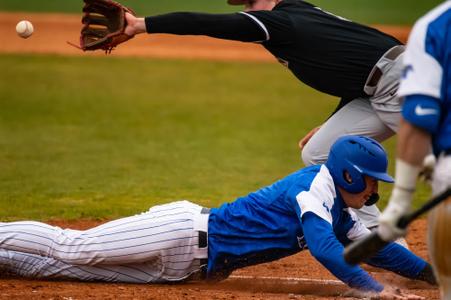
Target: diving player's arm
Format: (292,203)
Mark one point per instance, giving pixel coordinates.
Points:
(325,247)
(402,261)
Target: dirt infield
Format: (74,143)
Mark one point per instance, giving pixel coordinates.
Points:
(296,277)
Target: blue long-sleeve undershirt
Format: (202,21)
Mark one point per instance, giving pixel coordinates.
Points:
(398,259)
(327,249)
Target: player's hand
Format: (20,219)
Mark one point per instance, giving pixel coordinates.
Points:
(134,25)
(398,206)
(307,137)
(428,168)
(388,293)
(395,293)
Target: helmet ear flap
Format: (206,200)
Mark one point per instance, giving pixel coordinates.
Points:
(354,179)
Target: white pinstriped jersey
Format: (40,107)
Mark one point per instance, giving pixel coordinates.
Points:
(159,245)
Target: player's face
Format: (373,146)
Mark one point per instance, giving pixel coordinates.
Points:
(252,5)
(358,200)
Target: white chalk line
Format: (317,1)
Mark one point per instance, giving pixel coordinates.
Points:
(292,280)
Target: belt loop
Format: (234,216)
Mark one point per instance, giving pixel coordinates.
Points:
(376,73)
(394,52)
(372,81)
(203,235)
(205,211)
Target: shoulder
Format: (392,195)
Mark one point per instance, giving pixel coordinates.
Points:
(314,178)
(319,198)
(431,29)
(297,9)
(437,17)
(425,54)
(293,3)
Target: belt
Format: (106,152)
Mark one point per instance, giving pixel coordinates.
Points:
(203,243)
(376,73)
(203,236)
(447,151)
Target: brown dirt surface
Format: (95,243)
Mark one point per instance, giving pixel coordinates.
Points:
(52,31)
(295,277)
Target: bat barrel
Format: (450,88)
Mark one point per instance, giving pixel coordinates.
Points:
(368,246)
(364,248)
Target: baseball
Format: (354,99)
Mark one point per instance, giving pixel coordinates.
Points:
(24,29)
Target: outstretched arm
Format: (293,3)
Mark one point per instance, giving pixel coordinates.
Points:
(234,26)
(402,261)
(325,247)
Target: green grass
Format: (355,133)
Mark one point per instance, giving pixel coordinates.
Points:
(106,137)
(365,11)
(141,7)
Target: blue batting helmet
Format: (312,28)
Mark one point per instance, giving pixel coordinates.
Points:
(357,155)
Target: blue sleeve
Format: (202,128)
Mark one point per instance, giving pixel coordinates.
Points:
(422,111)
(398,259)
(325,247)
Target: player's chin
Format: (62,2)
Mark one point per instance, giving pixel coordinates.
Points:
(358,205)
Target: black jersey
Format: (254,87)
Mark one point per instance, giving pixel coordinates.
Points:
(327,52)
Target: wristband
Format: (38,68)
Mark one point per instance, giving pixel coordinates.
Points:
(406,176)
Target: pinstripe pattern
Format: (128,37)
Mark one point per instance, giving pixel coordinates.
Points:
(36,266)
(155,246)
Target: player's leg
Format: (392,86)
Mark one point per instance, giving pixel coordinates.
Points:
(385,101)
(439,222)
(355,118)
(165,232)
(39,267)
(377,116)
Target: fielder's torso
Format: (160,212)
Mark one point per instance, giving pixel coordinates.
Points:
(428,68)
(327,52)
(266,225)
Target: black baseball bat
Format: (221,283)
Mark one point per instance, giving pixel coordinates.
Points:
(368,246)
